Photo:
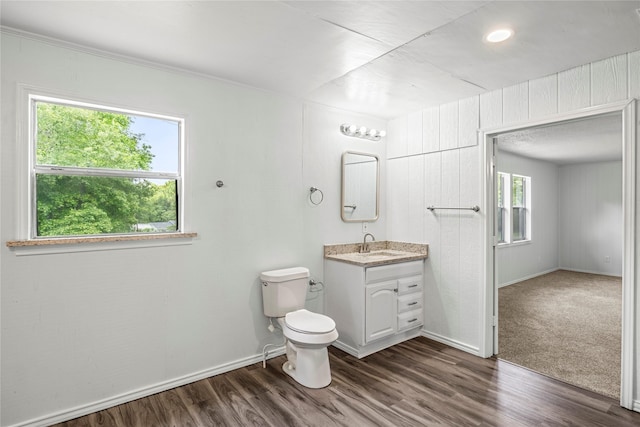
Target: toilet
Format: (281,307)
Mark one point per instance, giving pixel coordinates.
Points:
(307,334)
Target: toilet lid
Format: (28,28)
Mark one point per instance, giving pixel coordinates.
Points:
(306,322)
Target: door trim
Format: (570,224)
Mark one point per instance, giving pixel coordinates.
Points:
(627,109)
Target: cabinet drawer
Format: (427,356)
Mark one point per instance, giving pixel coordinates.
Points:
(410,319)
(409,284)
(409,302)
(393,271)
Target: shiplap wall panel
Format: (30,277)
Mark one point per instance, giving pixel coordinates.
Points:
(634,74)
(543,96)
(414,137)
(415,223)
(574,88)
(450,240)
(515,103)
(590,217)
(430,130)
(609,80)
(397,137)
(491,109)
(434,316)
(572,191)
(468,121)
(397,196)
(470,243)
(449,126)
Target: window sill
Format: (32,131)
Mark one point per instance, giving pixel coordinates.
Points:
(518,243)
(97,243)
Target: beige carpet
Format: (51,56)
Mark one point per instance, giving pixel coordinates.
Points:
(565,325)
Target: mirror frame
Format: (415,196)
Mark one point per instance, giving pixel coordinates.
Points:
(343,188)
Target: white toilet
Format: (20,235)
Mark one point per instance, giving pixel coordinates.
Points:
(307,334)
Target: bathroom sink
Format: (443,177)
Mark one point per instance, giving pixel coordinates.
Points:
(382,253)
(378,254)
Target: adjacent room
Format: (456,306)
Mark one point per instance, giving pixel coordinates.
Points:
(294,213)
(560,251)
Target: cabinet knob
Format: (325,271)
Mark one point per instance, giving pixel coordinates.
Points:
(395,290)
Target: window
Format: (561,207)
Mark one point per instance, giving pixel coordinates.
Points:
(513,208)
(518,209)
(502,206)
(97,170)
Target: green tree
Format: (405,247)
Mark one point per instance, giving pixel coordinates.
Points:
(80,205)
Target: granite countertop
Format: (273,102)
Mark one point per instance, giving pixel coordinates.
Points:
(381,253)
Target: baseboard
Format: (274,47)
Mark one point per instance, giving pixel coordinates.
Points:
(452,343)
(531,276)
(377,345)
(636,406)
(589,272)
(346,348)
(100,405)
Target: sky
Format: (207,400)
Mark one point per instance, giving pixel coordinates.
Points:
(163,136)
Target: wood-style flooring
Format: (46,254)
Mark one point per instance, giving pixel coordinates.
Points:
(416,383)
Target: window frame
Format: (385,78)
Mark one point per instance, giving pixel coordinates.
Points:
(507,222)
(32,98)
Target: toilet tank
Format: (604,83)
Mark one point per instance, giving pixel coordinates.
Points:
(284,290)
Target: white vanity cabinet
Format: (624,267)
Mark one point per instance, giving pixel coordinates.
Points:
(374,307)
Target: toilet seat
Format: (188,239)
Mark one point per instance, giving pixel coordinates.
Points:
(306,328)
(307,322)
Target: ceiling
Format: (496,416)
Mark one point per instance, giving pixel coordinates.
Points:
(383,58)
(594,139)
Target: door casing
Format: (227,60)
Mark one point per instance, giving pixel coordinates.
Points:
(489,341)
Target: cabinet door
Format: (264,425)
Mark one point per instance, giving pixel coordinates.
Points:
(380,310)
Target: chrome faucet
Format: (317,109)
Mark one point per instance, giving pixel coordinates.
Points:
(365,248)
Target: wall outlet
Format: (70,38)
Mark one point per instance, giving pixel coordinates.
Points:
(607,259)
(365,227)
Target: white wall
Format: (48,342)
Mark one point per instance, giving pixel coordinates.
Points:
(576,220)
(590,224)
(525,260)
(434,159)
(91,329)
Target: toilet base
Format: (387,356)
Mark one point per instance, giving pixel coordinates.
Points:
(310,367)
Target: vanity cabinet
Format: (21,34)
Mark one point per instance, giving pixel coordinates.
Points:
(374,307)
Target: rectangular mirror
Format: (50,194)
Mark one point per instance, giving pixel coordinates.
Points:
(360,187)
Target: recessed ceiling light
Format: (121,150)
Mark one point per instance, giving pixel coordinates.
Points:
(500,35)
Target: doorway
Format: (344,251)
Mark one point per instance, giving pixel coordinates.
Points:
(625,111)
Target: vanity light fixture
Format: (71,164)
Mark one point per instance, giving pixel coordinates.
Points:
(362,132)
(499,35)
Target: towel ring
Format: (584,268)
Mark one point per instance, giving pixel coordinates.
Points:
(312,191)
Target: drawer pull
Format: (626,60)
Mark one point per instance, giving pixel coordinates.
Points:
(413,303)
(412,286)
(412,320)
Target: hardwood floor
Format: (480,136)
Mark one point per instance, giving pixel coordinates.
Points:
(416,383)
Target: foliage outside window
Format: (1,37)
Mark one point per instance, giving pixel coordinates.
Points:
(513,208)
(97,170)
(518,209)
(501,211)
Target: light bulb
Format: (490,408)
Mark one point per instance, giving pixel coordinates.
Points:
(372,133)
(500,35)
(383,134)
